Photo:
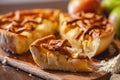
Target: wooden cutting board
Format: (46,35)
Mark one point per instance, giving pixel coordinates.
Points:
(25,62)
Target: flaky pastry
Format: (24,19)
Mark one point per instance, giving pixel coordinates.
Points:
(57,54)
(87,32)
(19,29)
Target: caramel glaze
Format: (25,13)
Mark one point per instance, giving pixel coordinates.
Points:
(27,20)
(57,45)
(50,43)
(91,24)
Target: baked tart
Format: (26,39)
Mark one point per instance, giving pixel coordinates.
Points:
(58,54)
(89,33)
(20,28)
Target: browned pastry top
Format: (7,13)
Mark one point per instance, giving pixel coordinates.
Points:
(50,43)
(90,24)
(20,21)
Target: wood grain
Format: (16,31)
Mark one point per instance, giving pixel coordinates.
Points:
(26,63)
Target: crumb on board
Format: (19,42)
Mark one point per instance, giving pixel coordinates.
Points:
(4,61)
(30,74)
(17,69)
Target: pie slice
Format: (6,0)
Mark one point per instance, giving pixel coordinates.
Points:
(19,29)
(57,54)
(89,33)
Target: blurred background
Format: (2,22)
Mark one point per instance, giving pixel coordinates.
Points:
(12,5)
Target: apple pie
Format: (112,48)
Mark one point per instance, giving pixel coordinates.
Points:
(20,28)
(89,33)
(58,54)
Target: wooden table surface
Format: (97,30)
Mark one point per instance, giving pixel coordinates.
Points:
(10,73)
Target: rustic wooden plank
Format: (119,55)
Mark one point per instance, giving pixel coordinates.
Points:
(26,66)
(30,67)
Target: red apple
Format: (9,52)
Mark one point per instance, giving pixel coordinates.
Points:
(75,6)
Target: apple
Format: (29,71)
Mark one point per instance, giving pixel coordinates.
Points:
(114,18)
(108,5)
(76,6)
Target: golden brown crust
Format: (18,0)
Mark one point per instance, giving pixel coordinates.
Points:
(28,25)
(56,54)
(13,42)
(89,33)
(90,24)
(26,20)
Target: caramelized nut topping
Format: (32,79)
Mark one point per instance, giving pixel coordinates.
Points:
(79,34)
(20,21)
(20,30)
(91,28)
(61,46)
(89,22)
(57,45)
(72,21)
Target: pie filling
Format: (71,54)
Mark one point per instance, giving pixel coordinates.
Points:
(90,24)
